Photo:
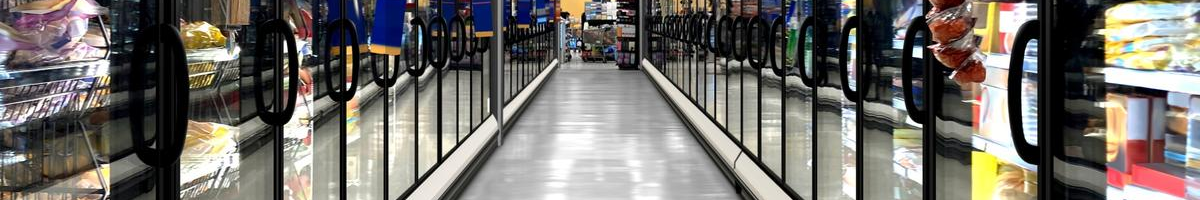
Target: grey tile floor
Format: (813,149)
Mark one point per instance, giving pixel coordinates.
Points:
(596,132)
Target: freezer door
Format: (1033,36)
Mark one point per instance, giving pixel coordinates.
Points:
(893,36)
(984,126)
(1126,122)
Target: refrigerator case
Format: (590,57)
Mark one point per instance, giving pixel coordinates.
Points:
(1129,81)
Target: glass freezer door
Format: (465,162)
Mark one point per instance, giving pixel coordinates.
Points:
(893,37)
(797,93)
(243,69)
(57,129)
(836,102)
(977,140)
(1126,121)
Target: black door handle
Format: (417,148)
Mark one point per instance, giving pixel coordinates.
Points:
(416,59)
(172,96)
(459,27)
(279,27)
(906,59)
(1028,152)
(512,32)
(844,60)
(809,81)
(777,62)
(468,36)
(752,39)
(480,46)
(347,27)
(739,48)
(709,25)
(722,39)
(441,54)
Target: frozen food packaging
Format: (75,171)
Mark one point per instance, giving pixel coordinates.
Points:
(1143,11)
(952,55)
(950,24)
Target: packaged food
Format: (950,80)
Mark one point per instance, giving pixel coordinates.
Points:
(950,24)
(1155,28)
(1150,44)
(201,35)
(1147,10)
(971,71)
(1149,60)
(205,138)
(950,55)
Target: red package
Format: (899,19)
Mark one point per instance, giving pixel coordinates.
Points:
(971,71)
(950,56)
(951,24)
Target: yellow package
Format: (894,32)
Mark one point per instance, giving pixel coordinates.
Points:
(205,138)
(1143,11)
(202,35)
(1149,44)
(1150,60)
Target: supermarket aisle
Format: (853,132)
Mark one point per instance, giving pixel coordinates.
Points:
(598,133)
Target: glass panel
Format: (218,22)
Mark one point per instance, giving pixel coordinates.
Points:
(797,104)
(1131,108)
(771,90)
(976,113)
(891,137)
(835,158)
(56,104)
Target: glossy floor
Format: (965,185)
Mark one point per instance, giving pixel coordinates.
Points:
(596,132)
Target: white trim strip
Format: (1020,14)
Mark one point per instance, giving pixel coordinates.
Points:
(754,179)
(442,178)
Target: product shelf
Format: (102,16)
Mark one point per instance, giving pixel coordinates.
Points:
(1161,80)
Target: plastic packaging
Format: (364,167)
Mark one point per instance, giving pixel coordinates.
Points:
(202,35)
(953,54)
(951,25)
(1156,28)
(1152,35)
(1148,10)
(971,71)
(205,138)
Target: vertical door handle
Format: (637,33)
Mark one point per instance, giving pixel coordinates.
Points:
(808,80)
(172,96)
(906,59)
(739,48)
(752,39)
(844,60)
(709,25)
(1028,152)
(279,27)
(347,28)
(459,37)
(442,54)
(416,60)
(468,36)
(778,31)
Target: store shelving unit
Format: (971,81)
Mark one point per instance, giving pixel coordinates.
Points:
(627,56)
